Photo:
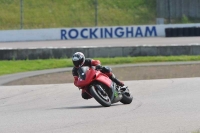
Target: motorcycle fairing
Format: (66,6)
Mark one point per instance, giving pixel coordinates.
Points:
(103,79)
(86,76)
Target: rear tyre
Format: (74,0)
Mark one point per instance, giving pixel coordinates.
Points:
(127,98)
(100,96)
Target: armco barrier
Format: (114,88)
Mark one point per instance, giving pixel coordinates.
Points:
(46,53)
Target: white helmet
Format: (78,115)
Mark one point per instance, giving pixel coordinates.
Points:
(78,59)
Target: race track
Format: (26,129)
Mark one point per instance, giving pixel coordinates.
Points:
(159,106)
(158,41)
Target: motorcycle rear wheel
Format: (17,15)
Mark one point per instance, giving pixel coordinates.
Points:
(101,98)
(127,98)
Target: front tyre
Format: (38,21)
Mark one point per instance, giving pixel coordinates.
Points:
(100,96)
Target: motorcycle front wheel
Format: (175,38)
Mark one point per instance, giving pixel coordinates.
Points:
(100,95)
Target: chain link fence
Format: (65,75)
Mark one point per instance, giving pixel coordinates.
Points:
(35,14)
(179,11)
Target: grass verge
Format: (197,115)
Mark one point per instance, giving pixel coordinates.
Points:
(198,131)
(15,66)
(75,13)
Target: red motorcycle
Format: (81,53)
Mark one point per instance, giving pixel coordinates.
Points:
(99,86)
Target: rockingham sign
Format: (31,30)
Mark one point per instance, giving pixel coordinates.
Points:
(108,32)
(88,32)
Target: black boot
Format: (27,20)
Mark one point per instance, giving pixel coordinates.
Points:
(114,79)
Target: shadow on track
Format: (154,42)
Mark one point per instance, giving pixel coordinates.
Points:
(86,107)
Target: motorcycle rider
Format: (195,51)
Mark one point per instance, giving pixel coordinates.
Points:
(79,60)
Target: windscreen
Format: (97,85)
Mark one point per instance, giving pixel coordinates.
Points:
(82,72)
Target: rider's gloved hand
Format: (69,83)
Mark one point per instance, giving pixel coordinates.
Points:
(98,67)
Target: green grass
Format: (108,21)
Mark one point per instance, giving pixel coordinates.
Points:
(198,131)
(75,13)
(15,66)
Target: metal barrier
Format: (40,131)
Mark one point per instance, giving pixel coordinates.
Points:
(23,54)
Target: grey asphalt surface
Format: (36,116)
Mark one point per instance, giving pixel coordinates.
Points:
(159,41)
(159,106)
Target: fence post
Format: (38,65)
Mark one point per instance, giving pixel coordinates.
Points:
(169,11)
(96,12)
(21,14)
